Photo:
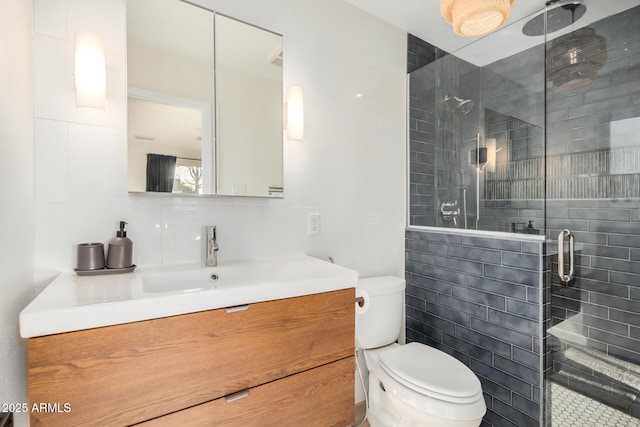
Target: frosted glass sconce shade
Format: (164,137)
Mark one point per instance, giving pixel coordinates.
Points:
(491,145)
(90,71)
(295,114)
(471,18)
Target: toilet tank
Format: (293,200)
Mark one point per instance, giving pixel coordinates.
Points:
(379,320)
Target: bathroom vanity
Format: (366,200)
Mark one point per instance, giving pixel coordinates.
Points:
(269,343)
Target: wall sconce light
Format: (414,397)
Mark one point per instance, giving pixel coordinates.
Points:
(492,152)
(471,18)
(294,114)
(90,71)
(484,158)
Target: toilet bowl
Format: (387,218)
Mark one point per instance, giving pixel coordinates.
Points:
(410,385)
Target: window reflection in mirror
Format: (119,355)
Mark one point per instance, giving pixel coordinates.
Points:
(188,176)
(168,127)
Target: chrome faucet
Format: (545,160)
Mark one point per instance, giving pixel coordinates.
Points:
(212,247)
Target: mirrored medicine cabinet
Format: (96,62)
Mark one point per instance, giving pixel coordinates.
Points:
(205,103)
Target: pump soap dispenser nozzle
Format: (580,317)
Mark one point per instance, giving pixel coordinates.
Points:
(120,253)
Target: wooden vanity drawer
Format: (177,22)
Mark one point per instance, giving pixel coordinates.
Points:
(319,397)
(126,374)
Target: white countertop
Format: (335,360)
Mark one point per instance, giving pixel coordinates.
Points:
(72,302)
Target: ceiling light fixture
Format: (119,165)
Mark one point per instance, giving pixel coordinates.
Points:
(471,18)
(574,59)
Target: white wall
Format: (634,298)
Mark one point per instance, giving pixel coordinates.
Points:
(350,168)
(16,214)
(249,128)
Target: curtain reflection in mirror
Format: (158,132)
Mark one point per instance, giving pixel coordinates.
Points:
(160,172)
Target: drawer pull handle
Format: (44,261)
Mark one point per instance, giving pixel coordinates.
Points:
(237,308)
(236,396)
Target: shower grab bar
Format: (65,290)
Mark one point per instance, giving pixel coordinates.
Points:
(565,278)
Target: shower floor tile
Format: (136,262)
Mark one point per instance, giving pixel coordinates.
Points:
(571,409)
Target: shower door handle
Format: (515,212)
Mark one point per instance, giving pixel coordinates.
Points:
(565,278)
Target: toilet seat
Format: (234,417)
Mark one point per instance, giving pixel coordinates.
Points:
(431,372)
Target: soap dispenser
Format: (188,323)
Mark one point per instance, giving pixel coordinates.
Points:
(120,254)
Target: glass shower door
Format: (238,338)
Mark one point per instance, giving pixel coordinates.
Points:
(593,223)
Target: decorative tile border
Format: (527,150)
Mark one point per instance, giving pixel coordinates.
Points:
(591,175)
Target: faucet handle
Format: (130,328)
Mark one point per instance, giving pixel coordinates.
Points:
(211,257)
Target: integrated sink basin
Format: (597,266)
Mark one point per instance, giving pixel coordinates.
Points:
(73,302)
(208,278)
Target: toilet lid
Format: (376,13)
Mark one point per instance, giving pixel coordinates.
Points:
(432,372)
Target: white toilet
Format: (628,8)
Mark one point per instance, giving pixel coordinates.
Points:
(410,385)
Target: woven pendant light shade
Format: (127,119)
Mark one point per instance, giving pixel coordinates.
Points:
(573,60)
(471,18)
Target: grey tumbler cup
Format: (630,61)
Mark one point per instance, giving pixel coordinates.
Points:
(90,256)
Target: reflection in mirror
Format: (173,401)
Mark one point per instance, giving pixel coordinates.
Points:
(171,96)
(249,102)
(168,129)
(178,101)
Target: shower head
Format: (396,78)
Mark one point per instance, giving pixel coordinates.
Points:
(558,14)
(457,105)
(464,107)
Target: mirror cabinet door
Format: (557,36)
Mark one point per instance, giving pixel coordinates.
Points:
(249,103)
(205,102)
(170,69)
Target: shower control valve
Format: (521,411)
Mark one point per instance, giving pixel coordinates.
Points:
(450,211)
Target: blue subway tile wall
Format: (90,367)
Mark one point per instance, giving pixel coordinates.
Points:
(593,189)
(592,184)
(601,304)
(437,132)
(571,147)
(422,128)
(478,299)
(421,53)
(586,156)
(561,165)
